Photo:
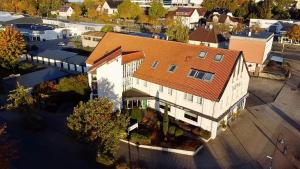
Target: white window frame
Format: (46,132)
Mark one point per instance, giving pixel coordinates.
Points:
(199,100)
(188,97)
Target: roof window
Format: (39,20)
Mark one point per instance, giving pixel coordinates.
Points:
(172,68)
(201,75)
(218,58)
(202,54)
(154,64)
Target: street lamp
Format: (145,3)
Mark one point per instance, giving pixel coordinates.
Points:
(281,141)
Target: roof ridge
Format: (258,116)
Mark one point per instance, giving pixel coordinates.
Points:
(167,41)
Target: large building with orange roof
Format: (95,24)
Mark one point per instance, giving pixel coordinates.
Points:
(201,86)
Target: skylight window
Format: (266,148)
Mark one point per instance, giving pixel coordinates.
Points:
(218,58)
(202,54)
(154,64)
(172,68)
(201,75)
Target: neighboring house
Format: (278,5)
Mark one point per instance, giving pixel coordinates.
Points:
(201,86)
(270,25)
(40,32)
(109,7)
(189,16)
(226,19)
(207,36)
(91,39)
(195,2)
(255,46)
(65,11)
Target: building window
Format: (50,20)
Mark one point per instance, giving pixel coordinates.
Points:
(145,83)
(218,58)
(170,91)
(161,88)
(172,68)
(154,64)
(202,54)
(191,116)
(201,75)
(199,100)
(188,97)
(137,81)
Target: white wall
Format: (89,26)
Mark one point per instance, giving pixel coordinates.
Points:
(214,45)
(268,48)
(110,81)
(189,21)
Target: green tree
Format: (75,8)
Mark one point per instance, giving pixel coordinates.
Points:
(178,32)
(12,46)
(92,13)
(76,84)
(231,5)
(20,100)
(76,12)
(129,10)
(166,121)
(107,28)
(95,122)
(294,33)
(157,10)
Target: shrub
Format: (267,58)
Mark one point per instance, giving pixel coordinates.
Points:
(205,134)
(140,139)
(178,132)
(137,114)
(76,84)
(107,28)
(172,130)
(104,160)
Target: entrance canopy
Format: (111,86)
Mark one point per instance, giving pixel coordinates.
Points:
(134,94)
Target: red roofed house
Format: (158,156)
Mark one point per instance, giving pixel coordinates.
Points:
(226,19)
(65,11)
(189,16)
(255,46)
(201,86)
(207,37)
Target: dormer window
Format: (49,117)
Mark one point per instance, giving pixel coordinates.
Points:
(202,54)
(172,68)
(218,58)
(154,64)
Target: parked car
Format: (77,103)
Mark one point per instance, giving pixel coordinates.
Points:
(61,44)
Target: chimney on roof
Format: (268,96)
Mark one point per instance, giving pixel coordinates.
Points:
(187,58)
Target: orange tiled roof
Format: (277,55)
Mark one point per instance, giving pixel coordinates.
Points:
(184,56)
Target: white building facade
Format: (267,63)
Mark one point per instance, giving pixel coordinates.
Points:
(126,79)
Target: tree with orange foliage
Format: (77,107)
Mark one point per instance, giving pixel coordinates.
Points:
(12,46)
(294,33)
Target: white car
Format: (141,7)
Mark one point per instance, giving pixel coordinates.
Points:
(61,44)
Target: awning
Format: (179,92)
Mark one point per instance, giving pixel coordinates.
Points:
(134,94)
